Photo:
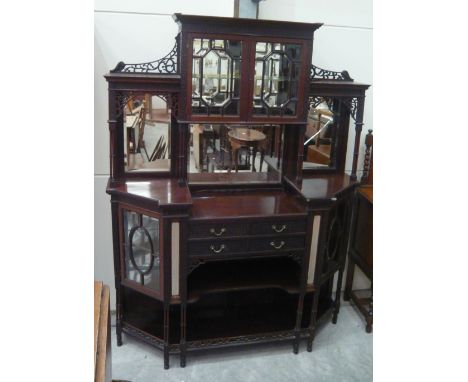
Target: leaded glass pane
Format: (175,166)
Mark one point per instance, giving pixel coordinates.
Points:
(142,254)
(277,71)
(216,70)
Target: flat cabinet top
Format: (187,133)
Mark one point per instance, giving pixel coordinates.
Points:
(163,191)
(320,187)
(210,24)
(252,204)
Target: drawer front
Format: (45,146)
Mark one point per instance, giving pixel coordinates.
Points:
(276,227)
(216,247)
(277,244)
(219,230)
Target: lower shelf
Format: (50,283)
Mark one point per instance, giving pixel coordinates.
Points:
(223,319)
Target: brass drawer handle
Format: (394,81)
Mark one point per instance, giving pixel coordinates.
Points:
(281,244)
(279,230)
(213,231)
(221,248)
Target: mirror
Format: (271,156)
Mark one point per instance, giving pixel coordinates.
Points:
(277,71)
(320,135)
(216,66)
(147,132)
(235,153)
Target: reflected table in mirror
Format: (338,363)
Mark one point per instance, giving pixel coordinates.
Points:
(244,137)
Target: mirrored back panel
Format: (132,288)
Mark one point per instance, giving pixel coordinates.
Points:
(147,134)
(222,153)
(320,136)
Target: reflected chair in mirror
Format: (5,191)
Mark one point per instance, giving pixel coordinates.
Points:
(360,251)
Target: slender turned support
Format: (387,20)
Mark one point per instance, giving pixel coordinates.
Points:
(303,283)
(349,280)
(167,267)
(183,295)
(183,144)
(117,270)
(348,214)
(357,139)
(112,131)
(369,317)
(317,276)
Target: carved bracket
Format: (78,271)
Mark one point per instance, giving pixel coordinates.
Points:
(351,104)
(314,101)
(165,65)
(317,73)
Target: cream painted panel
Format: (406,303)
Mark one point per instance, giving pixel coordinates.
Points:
(103,251)
(205,7)
(123,37)
(356,13)
(313,250)
(175,259)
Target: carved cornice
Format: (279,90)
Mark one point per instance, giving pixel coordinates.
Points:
(165,65)
(317,73)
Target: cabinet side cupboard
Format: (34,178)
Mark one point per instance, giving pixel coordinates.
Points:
(230,202)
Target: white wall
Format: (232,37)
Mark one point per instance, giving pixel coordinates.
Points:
(344,42)
(143,30)
(136,31)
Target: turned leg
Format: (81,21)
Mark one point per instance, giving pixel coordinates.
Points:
(262,157)
(254,154)
(338,295)
(118,319)
(349,280)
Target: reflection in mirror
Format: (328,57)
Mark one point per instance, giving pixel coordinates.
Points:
(234,153)
(216,66)
(277,70)
(319,136)
(147,131)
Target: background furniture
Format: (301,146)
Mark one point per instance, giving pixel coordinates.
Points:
(102,335)
(233,258)
(360,251)
(251,139)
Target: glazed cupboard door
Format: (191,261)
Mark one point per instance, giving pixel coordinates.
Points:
(216,77)
(278,81)
(140,250)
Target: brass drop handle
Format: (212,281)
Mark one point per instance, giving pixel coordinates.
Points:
(281,244)
(283,227)
(221,248)
(213,231)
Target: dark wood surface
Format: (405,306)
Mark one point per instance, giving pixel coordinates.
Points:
(319,187)
(238,205)
(255,289)
(164,192)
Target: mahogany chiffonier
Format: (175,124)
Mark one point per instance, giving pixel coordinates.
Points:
(225,231)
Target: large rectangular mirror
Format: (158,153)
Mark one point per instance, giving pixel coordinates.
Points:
(320,136)
(235,153)
(147,132)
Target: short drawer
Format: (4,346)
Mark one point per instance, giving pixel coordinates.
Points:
(274,244)
(202,230)
(278,226)
(216,247)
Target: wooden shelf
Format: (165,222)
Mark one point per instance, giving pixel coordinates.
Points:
(237,275)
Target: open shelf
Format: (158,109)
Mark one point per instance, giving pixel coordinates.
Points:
(237,275)
(241,313)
